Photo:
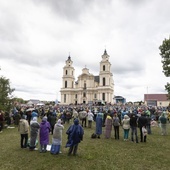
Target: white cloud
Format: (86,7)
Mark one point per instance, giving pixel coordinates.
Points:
(36,38)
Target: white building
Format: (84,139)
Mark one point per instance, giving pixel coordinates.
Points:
(88,88)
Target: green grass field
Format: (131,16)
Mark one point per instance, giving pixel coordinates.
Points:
(100,154)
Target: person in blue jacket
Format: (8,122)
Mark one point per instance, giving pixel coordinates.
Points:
(75,135)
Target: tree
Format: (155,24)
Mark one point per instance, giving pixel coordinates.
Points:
(165,54)
(167,87)
(5,94)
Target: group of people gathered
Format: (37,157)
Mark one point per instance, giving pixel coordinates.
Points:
(33,132)
(130,122)
(41,131)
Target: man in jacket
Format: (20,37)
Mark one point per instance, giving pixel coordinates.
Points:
(142,121)
(75,135)
(133,126)
(23,129)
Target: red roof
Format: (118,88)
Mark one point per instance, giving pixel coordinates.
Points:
(157,97)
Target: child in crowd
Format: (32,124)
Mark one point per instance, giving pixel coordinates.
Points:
(144,131)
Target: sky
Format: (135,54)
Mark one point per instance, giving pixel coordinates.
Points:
(37,36)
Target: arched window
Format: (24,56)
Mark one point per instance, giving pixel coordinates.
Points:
(66,72)
(103,67)
(64,98)
(103,96)
(84,94)
(65,84)
(104,81)
(84,85)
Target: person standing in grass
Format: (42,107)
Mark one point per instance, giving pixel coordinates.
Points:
(144,131)
(148,125)
(163,123)
(44,134)
(108,126)
(34,128)
(57,135)
(52,118)
(142,121)
(133,126)
(83,117)
(99,123)
(90,118)
(126,127)
(75,135)
(23,129)
(116,124)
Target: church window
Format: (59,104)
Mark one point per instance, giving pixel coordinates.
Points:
(103,96)
(95,95)
(66,72)
(103,67)
(104,81)
(64,98)
(84,85)
(84,94)
(65,84)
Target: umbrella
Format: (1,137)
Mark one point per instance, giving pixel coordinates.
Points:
(40,104)
(30,109)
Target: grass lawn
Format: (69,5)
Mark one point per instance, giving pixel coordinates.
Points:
(100,154)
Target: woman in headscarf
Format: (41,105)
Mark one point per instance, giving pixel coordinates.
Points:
(99,123)
(126,126)
(90,118)
(108,126)
(57,137)
(34,127)
(75,135)
(44,134)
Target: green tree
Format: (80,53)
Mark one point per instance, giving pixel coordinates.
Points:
(5,94)
(165,54)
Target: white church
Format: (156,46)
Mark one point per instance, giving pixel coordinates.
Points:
(88,88)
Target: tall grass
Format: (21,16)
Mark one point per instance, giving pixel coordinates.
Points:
(100,154)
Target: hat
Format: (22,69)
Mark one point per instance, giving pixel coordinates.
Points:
(44,119)
(59,121)
(126,116)
(34,118)
(76,121)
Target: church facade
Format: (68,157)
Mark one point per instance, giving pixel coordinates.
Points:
(88,88)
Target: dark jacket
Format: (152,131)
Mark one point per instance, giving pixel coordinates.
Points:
(75,134)
(133,121)
(142,121)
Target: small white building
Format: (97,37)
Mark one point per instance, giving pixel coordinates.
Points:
(156,100)
(88,88)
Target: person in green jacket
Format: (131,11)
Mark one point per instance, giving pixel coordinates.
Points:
(163,123)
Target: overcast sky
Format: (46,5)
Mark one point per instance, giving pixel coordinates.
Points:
(37,36)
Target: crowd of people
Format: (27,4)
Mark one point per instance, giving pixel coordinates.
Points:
(104,118)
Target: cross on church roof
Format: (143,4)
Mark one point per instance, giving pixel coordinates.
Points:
(105,52)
